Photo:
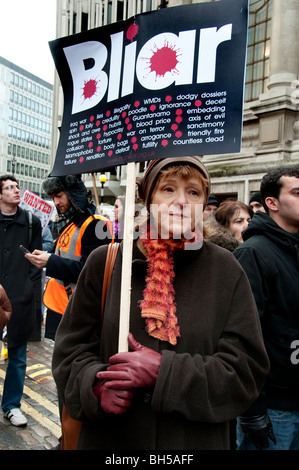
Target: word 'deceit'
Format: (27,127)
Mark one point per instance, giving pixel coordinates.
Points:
(150,66)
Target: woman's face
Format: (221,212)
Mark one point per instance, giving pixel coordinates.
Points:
(177,205)
(118,210)
(238,223)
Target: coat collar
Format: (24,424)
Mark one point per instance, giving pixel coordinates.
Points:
(18,218)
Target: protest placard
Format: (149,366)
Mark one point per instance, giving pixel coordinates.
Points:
(165,83)
(38,206)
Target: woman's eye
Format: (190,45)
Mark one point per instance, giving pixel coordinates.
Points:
(168,189)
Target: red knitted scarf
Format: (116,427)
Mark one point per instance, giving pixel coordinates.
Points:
(158,305)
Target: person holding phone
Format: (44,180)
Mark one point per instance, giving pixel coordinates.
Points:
(22,283)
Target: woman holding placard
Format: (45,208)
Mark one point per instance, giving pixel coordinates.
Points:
(195,359)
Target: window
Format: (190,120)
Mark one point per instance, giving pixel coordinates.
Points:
(258,51)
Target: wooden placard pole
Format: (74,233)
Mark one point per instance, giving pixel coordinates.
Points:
(95,190)
(125,299)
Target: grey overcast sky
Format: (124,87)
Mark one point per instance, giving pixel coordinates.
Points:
(26,27)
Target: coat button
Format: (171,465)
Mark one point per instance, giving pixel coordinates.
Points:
(147,398)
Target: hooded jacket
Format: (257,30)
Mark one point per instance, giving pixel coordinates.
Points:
(270,258)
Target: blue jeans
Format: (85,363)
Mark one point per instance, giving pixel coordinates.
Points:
(286,430)
(14,378)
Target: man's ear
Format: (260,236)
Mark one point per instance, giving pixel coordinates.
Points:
(272,203)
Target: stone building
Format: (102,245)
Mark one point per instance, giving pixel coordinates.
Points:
(25,125)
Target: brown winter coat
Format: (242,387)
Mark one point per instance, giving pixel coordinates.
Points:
(211,376)
(5,309)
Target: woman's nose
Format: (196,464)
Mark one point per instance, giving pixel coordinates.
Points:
(180,197)
(245,225)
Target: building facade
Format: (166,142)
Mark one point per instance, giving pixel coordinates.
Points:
(25,126)
(271,98)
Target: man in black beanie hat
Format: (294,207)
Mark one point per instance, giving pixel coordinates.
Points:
(79,227)
(211,206)
(255,202)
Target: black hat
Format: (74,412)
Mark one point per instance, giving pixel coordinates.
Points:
(256,197)
(72,186)
(213,201)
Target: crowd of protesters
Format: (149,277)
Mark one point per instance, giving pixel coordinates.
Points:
(213,318)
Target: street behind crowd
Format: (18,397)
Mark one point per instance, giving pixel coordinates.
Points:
(39,403)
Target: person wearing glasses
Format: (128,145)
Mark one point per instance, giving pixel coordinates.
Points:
(22,283)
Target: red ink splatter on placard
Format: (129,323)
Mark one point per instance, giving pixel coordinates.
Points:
(197,103)
(91,118)
(178,119)
(81,128)
(136,104)
(110,153)
(135,146)
(174,127)
(164,142)
(168,99)
(178,134)
(90,145)
(81,159)
(164,60)
(153,107)
(89,88)
(179,112)
(132,31)
(119,136)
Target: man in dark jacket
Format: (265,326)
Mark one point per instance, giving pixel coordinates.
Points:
(270,257)
(22,283)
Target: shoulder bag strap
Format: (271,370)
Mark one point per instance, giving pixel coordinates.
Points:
(29,214)
(110,260)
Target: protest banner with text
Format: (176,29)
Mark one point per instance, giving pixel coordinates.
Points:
(165,83)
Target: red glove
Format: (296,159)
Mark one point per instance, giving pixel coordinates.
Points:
(138,368)
(112,400)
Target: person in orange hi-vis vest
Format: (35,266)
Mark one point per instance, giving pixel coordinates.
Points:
(80,233)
